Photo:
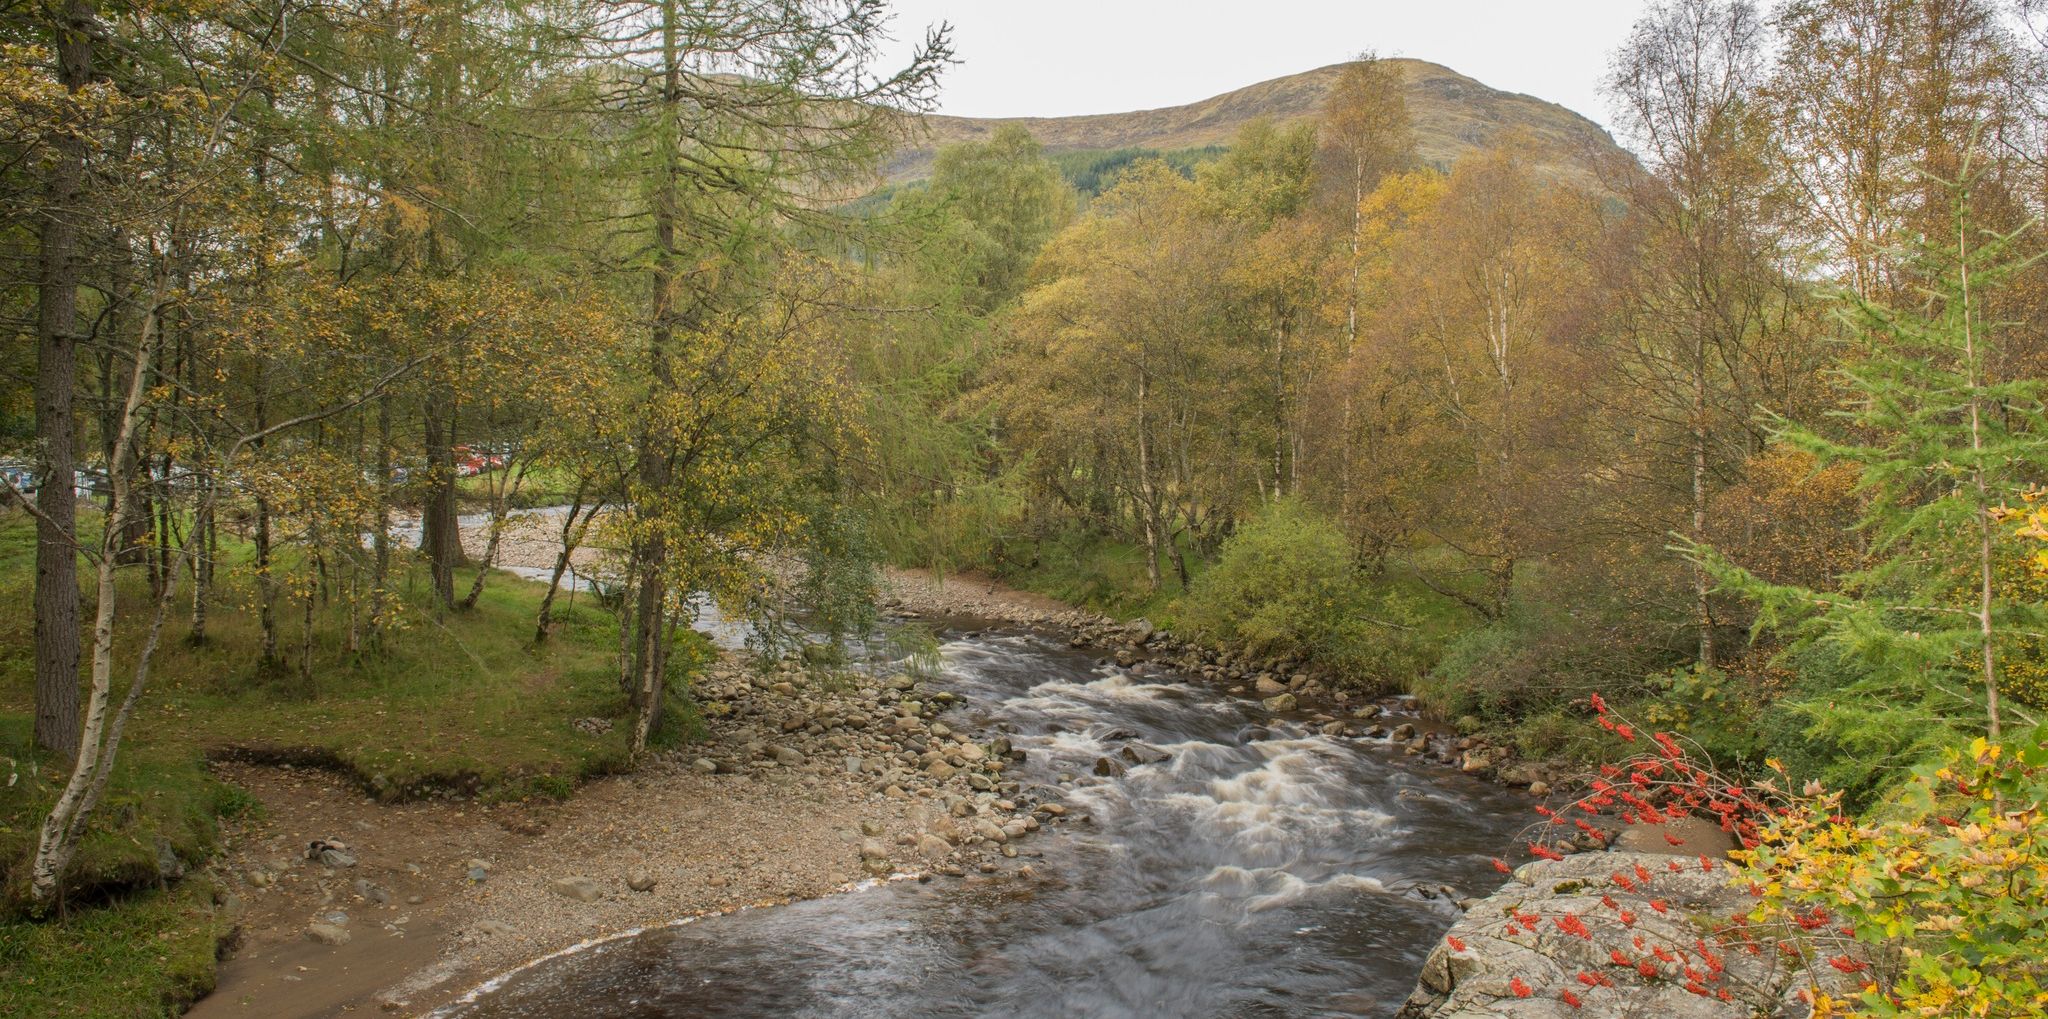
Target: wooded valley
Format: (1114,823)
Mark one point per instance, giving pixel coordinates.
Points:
(1734,422)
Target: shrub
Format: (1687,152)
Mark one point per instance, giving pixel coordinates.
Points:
(1279,586)
(1949,906)
(1940,910)
(1285,585)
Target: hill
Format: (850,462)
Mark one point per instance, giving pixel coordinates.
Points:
(1453,115)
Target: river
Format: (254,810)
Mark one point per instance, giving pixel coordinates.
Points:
(1255,872)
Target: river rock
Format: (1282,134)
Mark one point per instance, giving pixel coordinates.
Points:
(873,849)
(1267,686)
(704,766)
(1404,732)
(1475,981)
(1279,703)
(577,887)
(789,757)
(640,881)
(1142,753)
(327,933)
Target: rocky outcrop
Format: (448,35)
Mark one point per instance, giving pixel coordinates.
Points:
(1516,953)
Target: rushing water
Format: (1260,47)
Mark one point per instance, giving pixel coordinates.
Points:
(1256,872)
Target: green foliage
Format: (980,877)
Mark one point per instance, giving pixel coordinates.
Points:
(1093,171)
(147,956)
(1004,200)
(1739,725)
(1082,567)
(1943,447)
(1943,907)
(1285,585)
(1265,174)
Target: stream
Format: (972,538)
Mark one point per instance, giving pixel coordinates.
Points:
(1255,872)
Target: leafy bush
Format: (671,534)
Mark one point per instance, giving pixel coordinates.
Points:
(1936,907)
(1790,711)
(1285,585)
(1942,914)
(1552,647)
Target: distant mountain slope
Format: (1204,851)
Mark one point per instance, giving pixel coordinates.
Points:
(1453,115)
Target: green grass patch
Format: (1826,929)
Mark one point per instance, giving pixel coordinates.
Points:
(157,820)
(454,704)
(149,956)
(459,704)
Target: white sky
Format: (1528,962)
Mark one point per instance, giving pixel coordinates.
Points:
(1061,57)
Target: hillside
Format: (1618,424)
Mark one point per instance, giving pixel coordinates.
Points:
(1453,115)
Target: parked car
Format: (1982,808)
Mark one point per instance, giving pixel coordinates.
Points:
(19,473)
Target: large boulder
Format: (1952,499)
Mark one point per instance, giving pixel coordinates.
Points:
(1472,972)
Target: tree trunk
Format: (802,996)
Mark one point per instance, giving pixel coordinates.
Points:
(56,594)
(100,736)
(1702,584)
(440,533)
(202,562)
(501,507)
(306,637)
(380,534)
(572,538)
(650,654)
(266,591)
(1148,497)
(1987,526)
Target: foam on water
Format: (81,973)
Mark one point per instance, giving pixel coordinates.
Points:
(1252,872)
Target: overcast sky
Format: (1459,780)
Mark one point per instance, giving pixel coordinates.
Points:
(1061,57)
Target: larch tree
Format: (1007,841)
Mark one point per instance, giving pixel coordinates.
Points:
(728,122)
(1943,452)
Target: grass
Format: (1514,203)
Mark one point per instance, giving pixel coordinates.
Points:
(149,955)
(455,706)
(543,486)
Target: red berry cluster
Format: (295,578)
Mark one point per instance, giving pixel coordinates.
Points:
(1663,784)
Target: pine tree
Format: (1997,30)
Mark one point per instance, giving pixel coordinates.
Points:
(1943,448)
